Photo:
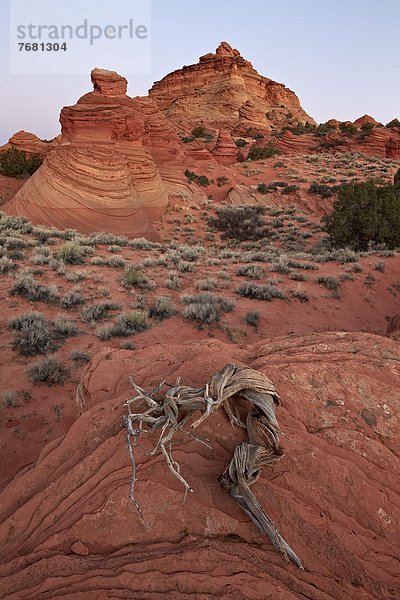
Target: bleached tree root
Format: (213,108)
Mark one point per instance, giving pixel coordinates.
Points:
(171,410)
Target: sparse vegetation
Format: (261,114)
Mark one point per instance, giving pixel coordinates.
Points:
(162,308)
(206,307)
(260,291)
(49,371)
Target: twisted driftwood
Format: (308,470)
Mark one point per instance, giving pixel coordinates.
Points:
(171,411)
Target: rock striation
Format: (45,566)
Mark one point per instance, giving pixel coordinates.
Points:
(223,90)
(334,494)
(103,174)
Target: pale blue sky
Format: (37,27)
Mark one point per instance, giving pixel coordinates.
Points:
(339,56)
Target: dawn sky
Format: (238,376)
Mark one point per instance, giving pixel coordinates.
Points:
(339,56)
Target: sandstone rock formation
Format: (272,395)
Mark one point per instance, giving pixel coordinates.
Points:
(103,174)
(223,90)
(225,150)
(68,528)
(30,143)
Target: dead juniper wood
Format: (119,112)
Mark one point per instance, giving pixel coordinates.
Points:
(171,410)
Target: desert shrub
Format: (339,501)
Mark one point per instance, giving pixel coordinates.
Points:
(367,127)
(252,318)
(380,266)
(290,189)
(95,312)
(206,307)
(280,266)
(80,357)
(185,266)
(221,181)
(189,253)
(252,271)
(260,291)
(322,189)
(302,128)
(116,261)
(14,163)
(10,399)
(301,295)
(72,298)
(71,253)
(323,129)
(33,335)
(6,265)
(173,282)
(348,128)
(393,123)
(126,324)
(240,222)
(396,180)
(199,131)
(363,214)
(263,188)
(206,285)
(128,346)
(200,179)
(75,276)
(64,327)
(162,308)
(49,371)
(133,277)
(331,283)
(298,277)
(187,139)
(240,143)
(257,153)
(26,286)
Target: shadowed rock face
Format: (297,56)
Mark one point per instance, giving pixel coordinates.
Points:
(334,495)
(223,90)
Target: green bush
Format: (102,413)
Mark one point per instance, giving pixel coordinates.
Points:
(365,213)
(348,128)
(240,143)
(257,153)
(396,180)
(199,131)
(13,163)
(322,189)
(393,123)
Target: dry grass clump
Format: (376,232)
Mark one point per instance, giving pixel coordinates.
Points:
(95,312)
(206,307)
(133,277)
(162,308)
(72,298)
(6,265)
(27,287)
(126,324)
(252,271)
(49,371)
(173,282)
(258,291)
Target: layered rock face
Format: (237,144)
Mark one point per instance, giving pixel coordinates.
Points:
(30,143)
(225,151)
(334,494)
(103,174)
(223,90)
